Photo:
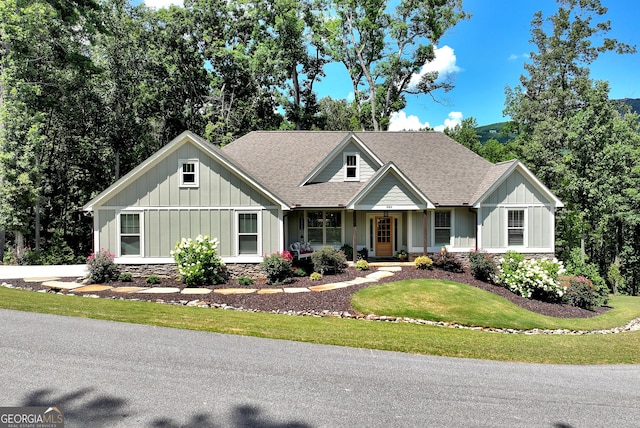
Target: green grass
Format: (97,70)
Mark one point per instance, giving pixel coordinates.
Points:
(463,304)
(419,339)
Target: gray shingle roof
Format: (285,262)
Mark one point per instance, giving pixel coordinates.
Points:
(445,171)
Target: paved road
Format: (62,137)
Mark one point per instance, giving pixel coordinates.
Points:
(106,374)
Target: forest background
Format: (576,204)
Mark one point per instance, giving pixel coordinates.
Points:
(90,88)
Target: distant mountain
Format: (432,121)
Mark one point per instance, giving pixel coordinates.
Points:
(494,130)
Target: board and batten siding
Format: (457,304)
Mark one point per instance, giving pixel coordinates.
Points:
(160,186)
(517,193)
(334,170)
(390,192)
(464,228)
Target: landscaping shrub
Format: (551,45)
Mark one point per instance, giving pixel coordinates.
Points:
(533,279)
(245,280)
(423,262)
(327,259)
(125,277)
(577,266)
(278,267)
(581,293)
(197,261)
(447,261)
(483,267)
(101,267)
(362,265)
(299,272)
(153,279)
(315,276)
(347,250)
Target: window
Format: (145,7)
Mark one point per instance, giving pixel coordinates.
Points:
(247,233)
(189,173)
(351,167)
(324,228)
(130,235)
(515,227)
(442,232)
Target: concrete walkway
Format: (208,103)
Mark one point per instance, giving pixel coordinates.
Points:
(50,276)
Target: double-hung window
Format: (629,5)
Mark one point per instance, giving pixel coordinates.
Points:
(515,227)
(442,228)
(248,233)
(130,234)
(351,167)
(189,172)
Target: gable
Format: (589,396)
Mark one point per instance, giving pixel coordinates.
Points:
(334,172)
(160,185)
(516,189)
(158,181)
(389,189)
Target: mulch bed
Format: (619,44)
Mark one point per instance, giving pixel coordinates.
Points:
(338,300)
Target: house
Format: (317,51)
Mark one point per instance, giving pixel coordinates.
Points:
(384,191)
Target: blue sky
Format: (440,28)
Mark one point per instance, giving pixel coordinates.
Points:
(487,53)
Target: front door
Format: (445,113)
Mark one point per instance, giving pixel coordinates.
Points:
(384,240)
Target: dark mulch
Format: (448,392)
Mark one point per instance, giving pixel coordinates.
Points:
(338,300)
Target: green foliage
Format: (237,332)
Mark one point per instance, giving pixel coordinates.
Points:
(581,293)
(101,267)
(615,276)
(299,272)
(198,262)
(363,254)
(326,259)
(578,267)
(447,261)
(125,277)
(483,267)
(153,279)
(532,278)
(278,268)
(347,250)
(423,263)
(245,280)
(315,276)
(362,265)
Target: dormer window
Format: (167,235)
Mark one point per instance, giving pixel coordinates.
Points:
(351,167)
(189,174)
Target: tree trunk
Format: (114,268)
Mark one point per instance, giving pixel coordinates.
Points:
(3,239)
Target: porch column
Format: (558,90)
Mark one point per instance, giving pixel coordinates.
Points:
(355,238)
(425,228)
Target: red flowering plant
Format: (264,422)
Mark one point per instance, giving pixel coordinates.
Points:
(278,267)
(101,267)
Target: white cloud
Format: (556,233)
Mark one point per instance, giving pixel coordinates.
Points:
(444,63)
(161,4)
(514,57)
(351,97)
(454,118)
(399,121)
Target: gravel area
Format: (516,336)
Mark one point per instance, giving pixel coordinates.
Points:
(338,300)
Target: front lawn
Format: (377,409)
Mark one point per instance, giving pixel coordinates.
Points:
(419,339)
(439,300)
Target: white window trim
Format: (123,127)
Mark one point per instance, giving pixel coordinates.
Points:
(324,224)
(119,234)
(433,229)
(524,227)
(357,166)
(196,172)
(259,233)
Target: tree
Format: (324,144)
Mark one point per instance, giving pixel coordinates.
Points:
(465,133)
(383,51)
(572,136)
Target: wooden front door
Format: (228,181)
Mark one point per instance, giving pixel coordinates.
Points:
(384,239)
